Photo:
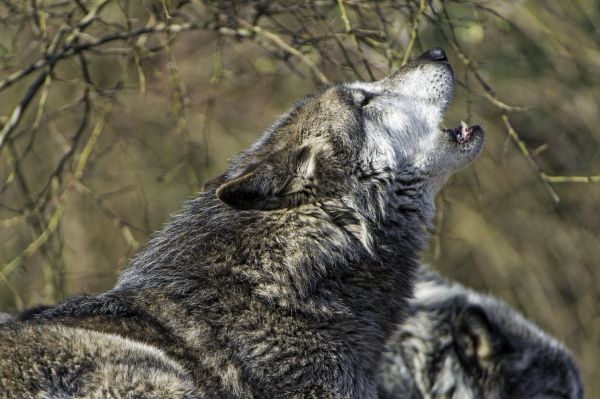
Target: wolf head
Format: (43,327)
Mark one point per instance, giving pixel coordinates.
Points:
(357,142)
(510,358)
(462,345)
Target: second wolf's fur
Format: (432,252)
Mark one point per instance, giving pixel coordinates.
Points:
(458,344)
(284,280)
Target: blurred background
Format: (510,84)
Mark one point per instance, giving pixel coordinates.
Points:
(113,113)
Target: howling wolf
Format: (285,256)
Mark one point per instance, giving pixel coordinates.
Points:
(458,344)
(281,281)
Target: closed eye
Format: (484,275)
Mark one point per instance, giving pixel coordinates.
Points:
(366,98)
(358,96)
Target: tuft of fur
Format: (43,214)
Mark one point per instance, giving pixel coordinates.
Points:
(77,363)
(6,317)
(457,343)
(282,280)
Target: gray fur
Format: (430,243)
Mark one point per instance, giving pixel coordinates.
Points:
(5,317)
(458,344)
(283,281)
(430,355)
(78,363)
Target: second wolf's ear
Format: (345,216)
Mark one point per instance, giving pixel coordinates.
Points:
(478,340)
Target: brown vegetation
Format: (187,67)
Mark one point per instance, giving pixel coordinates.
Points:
(112,113)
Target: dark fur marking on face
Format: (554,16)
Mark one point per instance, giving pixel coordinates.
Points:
(410,180)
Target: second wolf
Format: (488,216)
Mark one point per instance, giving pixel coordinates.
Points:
(459,344)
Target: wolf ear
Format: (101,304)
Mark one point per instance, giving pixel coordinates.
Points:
(268,187)
(479,342)
(250,191)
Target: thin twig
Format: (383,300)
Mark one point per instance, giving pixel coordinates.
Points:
(414,32)
(352,34)
(281,43)
(56,216)
(19,110)
(180,102)
(523,148)
(571,179)
(71,50)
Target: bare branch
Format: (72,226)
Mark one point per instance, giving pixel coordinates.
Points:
(281,43)
(523,148)
(414,32)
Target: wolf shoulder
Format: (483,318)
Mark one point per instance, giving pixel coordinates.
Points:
(56,361)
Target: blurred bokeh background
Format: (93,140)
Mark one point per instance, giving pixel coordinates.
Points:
(113,113)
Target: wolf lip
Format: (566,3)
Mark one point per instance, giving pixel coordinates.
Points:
(463,133)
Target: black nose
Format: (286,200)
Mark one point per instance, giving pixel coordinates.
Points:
(434,54)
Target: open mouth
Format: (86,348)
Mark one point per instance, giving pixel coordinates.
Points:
(463,133)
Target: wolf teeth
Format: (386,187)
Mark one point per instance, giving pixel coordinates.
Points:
(464,125)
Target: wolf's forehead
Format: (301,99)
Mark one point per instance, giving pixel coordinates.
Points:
(319,116)
(334,100)
(326,112)
(316,106)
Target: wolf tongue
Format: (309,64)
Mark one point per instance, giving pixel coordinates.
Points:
(464,132)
